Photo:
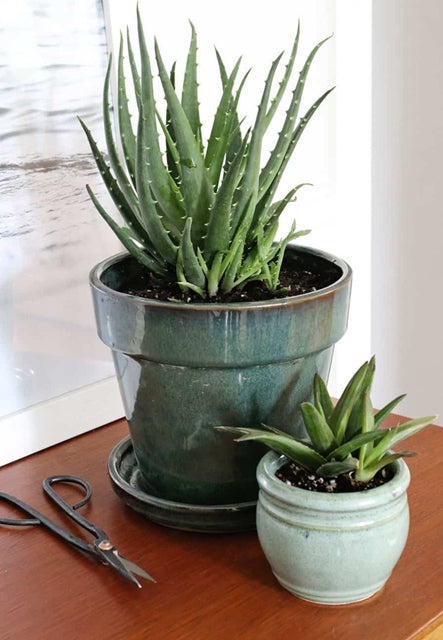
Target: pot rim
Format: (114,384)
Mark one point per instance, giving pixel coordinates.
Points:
(98,270)
(358,500)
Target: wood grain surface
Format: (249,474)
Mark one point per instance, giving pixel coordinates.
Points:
(209,587)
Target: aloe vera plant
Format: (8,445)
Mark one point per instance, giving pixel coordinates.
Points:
(344,438)
(205,216)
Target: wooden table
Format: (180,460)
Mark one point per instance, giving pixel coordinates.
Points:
(209,587)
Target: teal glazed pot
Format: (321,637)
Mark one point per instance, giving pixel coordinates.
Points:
(185,368)
(331,548)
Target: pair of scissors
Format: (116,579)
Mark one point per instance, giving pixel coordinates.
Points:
(101,549)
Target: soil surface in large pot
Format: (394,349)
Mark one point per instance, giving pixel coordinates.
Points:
(300,273)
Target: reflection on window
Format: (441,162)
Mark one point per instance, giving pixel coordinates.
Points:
(52,64)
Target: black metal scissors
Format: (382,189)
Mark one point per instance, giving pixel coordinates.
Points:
(101,548)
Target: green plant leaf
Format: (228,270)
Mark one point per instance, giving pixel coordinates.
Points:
(215,274)
(245,208)
(130,242)
(397,434)
(280,253)
(284,139)
(236,138)
(218,235)
(322,438)
(348,447)
(265,197)
(173,160)
(190,89)
(367,416)
(157,175)
(233,259)
(151,219)
(123,179)
(219,137)
(291,448)
(191,265)
(383,413)
(275,102)
(346,402)
(322,399)
(196,187)
(333,469)
(366,474)
(357,417)
(274,211)
(131,217)
(136,82)
(127,136)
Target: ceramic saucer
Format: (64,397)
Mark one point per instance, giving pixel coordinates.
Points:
(127,484)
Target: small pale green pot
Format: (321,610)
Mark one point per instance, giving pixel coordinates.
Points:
(185,368)
(331,548)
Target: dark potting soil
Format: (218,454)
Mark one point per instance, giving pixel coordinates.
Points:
(303,273)
(291,473)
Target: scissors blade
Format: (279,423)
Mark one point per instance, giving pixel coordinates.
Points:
(110,556)
(134,568)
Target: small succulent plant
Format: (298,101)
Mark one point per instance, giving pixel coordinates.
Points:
(345,438)
(204,216)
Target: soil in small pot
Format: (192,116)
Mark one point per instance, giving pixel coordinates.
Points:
(292,474)
(302,273)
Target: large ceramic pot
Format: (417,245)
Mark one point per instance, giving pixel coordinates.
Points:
(331,548)
(185,368)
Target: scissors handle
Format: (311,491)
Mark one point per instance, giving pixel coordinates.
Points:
(71,511)
(39,518)
(22,506)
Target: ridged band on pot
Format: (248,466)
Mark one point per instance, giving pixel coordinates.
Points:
(185,368)
(331,548)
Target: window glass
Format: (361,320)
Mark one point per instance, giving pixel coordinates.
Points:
(52,63)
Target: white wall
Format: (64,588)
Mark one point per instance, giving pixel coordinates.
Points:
(407,210)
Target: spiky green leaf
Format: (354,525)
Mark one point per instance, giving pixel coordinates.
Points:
(266,196)
(275,102)
(123,180)
(127,136)
(196,186)
(284,139)
(219,137)
(218,235)
(300,453)
(190,89)
(130,241)
(158,177)
(191,264)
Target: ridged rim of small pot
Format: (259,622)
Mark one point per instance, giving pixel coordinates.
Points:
(339,502)
(98,270)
